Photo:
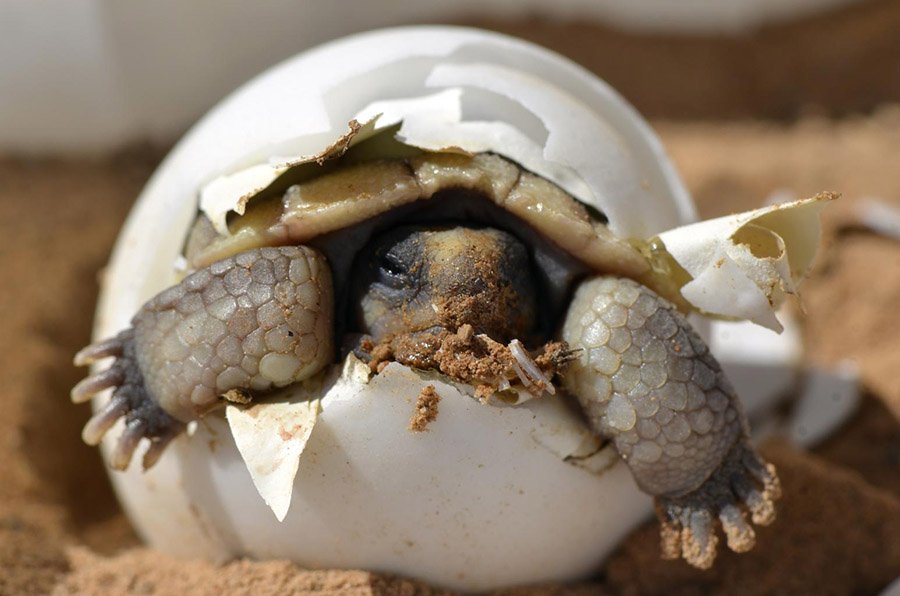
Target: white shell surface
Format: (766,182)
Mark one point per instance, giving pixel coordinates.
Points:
(477,502)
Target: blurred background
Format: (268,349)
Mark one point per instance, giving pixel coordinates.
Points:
(93,75)
(753,99)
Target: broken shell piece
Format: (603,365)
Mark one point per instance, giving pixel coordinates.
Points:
(763,364)
(828,398)
(768,368)
(879,216)
(741,266)
(271,438)
(232,192)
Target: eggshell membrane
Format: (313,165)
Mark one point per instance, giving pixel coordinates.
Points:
(476,502)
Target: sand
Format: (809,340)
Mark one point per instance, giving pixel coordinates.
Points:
(62,531)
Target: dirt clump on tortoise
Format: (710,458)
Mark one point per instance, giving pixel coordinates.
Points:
(467,265)
(476,360)
(426,409)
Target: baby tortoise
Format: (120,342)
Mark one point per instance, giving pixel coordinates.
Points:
(408,256)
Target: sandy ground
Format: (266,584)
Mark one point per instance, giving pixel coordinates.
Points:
(62,531)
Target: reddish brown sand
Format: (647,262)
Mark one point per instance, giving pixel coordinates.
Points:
(60,527)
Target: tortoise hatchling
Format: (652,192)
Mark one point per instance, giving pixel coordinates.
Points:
(468,265)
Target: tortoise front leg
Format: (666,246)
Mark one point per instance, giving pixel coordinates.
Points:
(649,383)
(249,323)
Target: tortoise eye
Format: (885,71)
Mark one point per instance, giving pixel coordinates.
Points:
(393,272)
(391,265)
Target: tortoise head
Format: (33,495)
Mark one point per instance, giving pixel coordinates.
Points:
(416,278)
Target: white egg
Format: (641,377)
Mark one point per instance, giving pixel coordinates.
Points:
(484,499)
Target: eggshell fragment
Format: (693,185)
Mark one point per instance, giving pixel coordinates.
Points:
(271,437)
(232,192)
(828,398)
(742,265)
(880,217)
(762,364)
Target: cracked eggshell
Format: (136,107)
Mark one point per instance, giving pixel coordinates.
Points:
(484,498)
(741,266)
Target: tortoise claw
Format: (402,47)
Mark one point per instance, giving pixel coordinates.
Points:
(130,400)
(742,484)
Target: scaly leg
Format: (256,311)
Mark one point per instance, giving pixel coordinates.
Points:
(250,323)
(649,383)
